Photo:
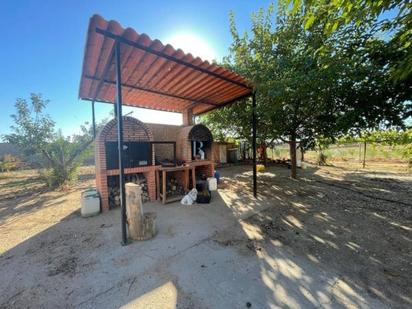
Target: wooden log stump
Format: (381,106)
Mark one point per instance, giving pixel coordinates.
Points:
(141,226)
(149,224)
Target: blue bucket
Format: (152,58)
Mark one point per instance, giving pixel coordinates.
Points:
(217,176)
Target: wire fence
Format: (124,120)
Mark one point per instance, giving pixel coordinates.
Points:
(351,154)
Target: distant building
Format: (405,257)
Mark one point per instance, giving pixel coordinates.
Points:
(7,148)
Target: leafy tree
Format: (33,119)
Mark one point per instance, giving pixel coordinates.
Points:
(34,133)
(64,157)
(371,98)
(338,14)
(293,85)
(393,138)
(234,122)
(321,144)
(312,85)
(32,130)
(230,122)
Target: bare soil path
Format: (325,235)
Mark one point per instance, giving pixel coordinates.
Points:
(357,223)
(332,239)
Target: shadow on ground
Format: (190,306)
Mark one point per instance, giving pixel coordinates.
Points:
(302,244)
(26,195)
(356,224)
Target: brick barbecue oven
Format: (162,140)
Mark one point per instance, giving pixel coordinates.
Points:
(146,147)
(138,157)
(124,67)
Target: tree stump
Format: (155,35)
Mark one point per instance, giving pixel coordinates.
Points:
(141,226)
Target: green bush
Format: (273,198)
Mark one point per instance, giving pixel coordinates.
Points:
(9,163)
(64,158)
(322,158)
(34,133)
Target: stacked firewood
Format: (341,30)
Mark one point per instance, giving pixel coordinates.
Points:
(140,180)
(114,190)
(114,197)
(173,188)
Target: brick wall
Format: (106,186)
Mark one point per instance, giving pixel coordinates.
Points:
(208,170)
(163,133)
(133,130)
(187,116)
(183,145)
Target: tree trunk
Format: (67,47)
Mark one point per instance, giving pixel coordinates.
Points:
(141,226)
(364,154)
(243,151)
(292,146)
(264,154)
(302,154)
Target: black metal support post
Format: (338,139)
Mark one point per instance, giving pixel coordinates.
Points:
(118,113)
(254,143)
(94,121)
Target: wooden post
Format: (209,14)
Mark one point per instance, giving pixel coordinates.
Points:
(193,177)
(186,177)
(364,154)
(164,186)
(134,209)
(140,226)
(157,185)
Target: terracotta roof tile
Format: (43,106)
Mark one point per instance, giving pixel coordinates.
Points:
(155,76)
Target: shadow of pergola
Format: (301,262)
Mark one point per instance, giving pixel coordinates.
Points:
(289,248)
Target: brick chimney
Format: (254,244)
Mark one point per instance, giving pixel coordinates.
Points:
(188,117)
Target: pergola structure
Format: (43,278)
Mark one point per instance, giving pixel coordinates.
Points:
(123,67)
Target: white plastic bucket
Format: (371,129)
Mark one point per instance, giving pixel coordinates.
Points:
(212,183)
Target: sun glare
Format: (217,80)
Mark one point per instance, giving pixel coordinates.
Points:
(194,44)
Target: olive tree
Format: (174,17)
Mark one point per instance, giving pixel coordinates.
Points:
(34,133)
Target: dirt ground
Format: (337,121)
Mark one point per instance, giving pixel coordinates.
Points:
(352,229)
(28,207)
(373,166)
(357,223)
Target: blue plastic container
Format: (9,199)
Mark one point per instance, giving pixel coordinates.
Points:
(217,176)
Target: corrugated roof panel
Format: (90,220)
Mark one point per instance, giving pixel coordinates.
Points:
(154,75)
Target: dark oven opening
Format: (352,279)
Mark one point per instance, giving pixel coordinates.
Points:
(135,154)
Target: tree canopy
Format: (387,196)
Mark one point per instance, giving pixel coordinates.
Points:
(310,83)
(32,129)
(392,18)
(34,133)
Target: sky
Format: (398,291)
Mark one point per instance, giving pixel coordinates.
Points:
(43,44)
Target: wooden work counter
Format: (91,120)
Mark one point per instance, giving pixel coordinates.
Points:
(185,169)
